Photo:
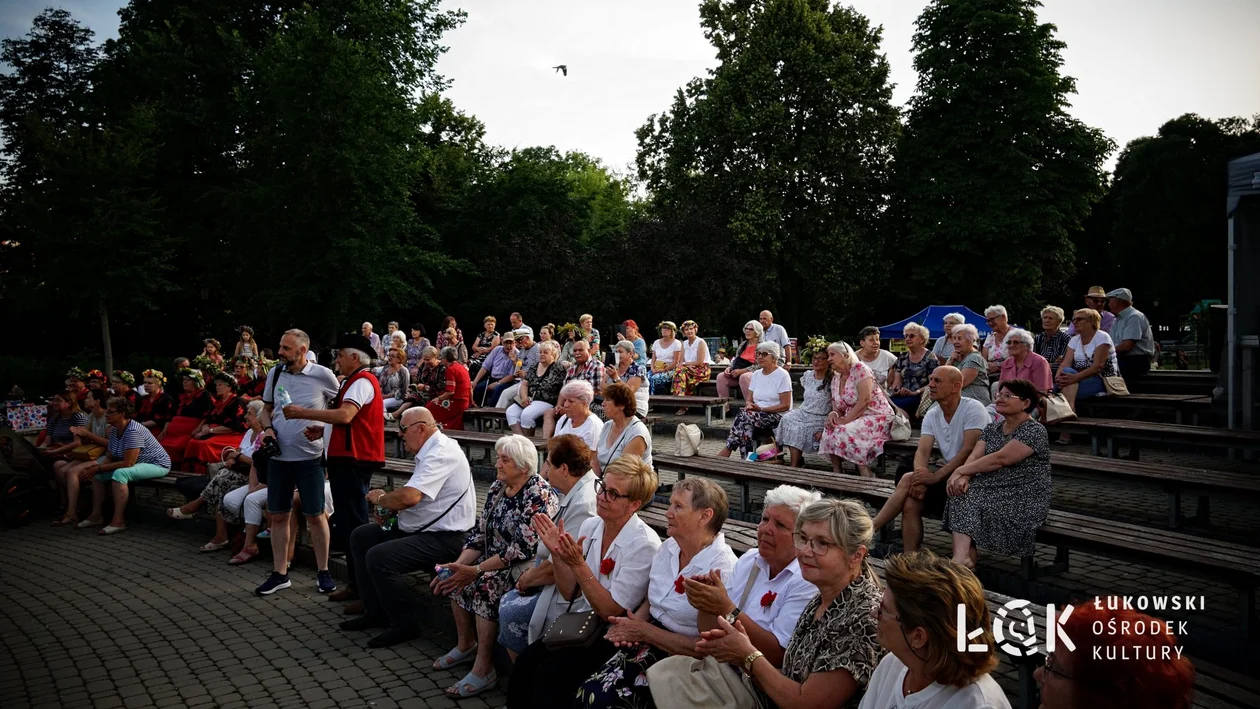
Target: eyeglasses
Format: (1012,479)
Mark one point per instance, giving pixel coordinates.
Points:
(1004,395)
(1053,669)
(880,614)
(402,428)
(1079,319)
(612,495)
(820,547)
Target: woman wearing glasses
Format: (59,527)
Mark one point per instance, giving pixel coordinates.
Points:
(1090,356)
(833,649)
(917,625)
(769,397)
(604,568)
(1001,495)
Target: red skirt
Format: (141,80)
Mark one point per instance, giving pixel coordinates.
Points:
(178,434)
(210,450)
(451,419)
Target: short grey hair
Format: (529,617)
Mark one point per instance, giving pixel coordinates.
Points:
(254,407)
(303,339)
(1055,311)
(429,351)
(548,346)
(625,346)
(520,450)
(578,389)
(968,332)
(958,318)
(771,347)
(994,310)
(1020,334)
(917,329)
(792,497)
(849,525)
(844,350)
(364,358)
(450,354)
(399,337)
(756,327)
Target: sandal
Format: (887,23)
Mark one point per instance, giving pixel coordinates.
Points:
(243,557)
(472,685)
(177,513)
(215,546)
(85,524)
(110,529)
(681,412)
(454,658)
(67,520)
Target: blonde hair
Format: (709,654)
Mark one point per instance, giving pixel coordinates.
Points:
(849,524)
(917,329)
(641,479)
(1091,315)
(844,350)
(548,346)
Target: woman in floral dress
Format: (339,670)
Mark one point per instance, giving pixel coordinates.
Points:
(861,416)
(801,428)
(503,539)
(486,341)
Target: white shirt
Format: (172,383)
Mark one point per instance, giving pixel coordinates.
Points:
(884,691)
(995,351)
(525,328)
(971,415)
(766,388)
(791,591)
(633,552)
(360,392)
(441,475)
(1083,355)
(609,450)
(670,607)
(883,362)
(589,430)
(666,354)
(249,444)
(691,353)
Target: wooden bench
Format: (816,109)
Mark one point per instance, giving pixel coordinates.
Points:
(661,402)
(1111,432)
(1235,564)
(486,418)
(1181,406)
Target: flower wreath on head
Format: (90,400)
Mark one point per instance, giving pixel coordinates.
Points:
(246,328)
(814,345)
(96,374)
(567,329)
(211,341)
(125,377)
(245,360)
(194,375)
(76,373)
(154,374)
(205,364)
(688,323)
(667,324)
(267,364)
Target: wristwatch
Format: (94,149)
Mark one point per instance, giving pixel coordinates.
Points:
(748,661)
(730,617)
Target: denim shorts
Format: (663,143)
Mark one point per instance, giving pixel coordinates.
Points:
(307,476)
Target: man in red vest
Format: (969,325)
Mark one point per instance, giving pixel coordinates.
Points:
(356,439)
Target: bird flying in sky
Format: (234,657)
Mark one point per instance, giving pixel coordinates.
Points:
(564,68)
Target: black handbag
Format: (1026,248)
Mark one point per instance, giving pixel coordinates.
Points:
(571,629)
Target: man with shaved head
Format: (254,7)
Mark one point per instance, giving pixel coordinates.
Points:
(953,425)
(776,334)
(435,510)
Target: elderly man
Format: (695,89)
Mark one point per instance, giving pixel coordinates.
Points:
(518,324)
(374,339)
(1131,333)
(356,446)
(527,355)
(586,367)
(434,511)
(497,372)
(953,426)
(296,386)
(1096,300)
(777,334)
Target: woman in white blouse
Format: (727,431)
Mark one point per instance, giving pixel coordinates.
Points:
(606,569)
(574,408)
(667,354)
(879,361)
(666,624)
(623,432)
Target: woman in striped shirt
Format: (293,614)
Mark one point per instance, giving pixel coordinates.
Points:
(134,454)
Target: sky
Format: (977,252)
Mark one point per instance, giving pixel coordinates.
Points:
(1138,63)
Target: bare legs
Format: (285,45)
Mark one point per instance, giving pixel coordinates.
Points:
(121,493)
(471,629)
(964,550)
(911,509)
(796,458)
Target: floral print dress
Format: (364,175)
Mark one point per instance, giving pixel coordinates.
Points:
(505,530)
(860,442)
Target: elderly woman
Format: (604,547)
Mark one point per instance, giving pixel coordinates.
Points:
(248,380)
(394,379)
(1090,356)
(539,390)
(633,336)
(486,341)
(944,345)
(861,416)
(1154,674)
(744,364)
(86,449)
(574,409)
(908,378)
(1051,343)
(444,336)
(221,427)
(455,340)
(415,348)
(134,454)
(665,623)
(1023,363)
(590,334)
(1001,495)
(770,396)
(666,357)
(801,428)
(449,405)
(157,408)
(766,591)
(236,461)
(833,649)
(193,405)
(495,553)
(994,349)
(624,433)
(528,608)
(123,384)
(629,371)
(879,361)
(975,371)
(917,624)
(605,568)
(695,364)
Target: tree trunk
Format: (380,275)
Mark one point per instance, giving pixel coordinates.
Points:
(105,343)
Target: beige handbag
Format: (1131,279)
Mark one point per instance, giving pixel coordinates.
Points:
(925,403)
(1057,409)
(1115,386)
(687,439)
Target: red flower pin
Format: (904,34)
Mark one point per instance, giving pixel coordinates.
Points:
(678,584)
(767,599)
(606,566)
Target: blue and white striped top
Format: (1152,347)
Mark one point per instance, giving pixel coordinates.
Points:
(59,427)
(137,436)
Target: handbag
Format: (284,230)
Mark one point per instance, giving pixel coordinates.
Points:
(925,405)
(571,629)
(1115,386)
(900,428)
(91,451)
(687,439)
(1058,409)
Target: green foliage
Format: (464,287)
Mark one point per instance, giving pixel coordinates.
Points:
(991,169)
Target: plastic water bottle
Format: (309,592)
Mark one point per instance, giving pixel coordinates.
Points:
(283,398)
(387,516)
(752,457)
(442,574)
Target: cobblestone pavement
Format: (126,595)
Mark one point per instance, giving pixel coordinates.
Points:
(140,620)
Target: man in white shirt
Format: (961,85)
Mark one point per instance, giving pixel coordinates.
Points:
(777,334)
(435,510)
(953,426)
(518,324)
(374,339)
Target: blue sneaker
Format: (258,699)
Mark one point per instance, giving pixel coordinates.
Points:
(265,534)
(325,582)
(275,582)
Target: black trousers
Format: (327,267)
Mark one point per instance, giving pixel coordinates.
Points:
(1133,366)
(350,508)
(380,560)
(543,677)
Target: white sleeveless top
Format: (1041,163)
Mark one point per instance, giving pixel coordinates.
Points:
(691,353)
(663,353)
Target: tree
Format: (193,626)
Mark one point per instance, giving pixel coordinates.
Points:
(789,140)
(990,168)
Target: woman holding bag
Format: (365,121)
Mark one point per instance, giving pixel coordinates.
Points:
(605,569)
(89,444)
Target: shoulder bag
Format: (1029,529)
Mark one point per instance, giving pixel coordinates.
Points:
(1057,409)
(579,629)
(687,439)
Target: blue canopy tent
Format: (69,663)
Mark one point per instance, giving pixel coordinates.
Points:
(933,318)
